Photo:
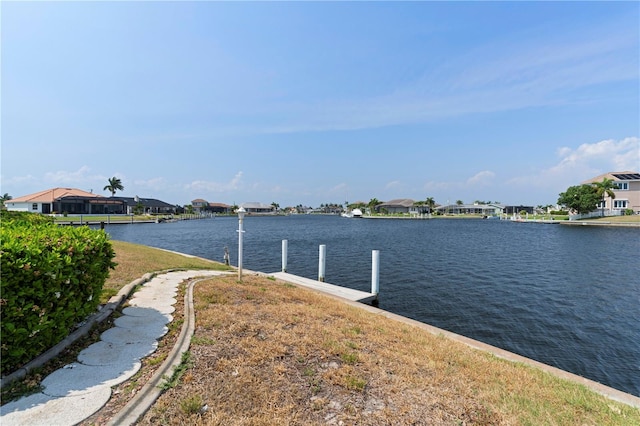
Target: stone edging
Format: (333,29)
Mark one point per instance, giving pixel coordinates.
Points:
(149,393)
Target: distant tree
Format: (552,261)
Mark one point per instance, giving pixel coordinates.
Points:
(275,206)
(188,209)
(373,203)
(114,185)
(604,188)
(580,198)
(6,197)
(459,202)
(430,203)
(138,209)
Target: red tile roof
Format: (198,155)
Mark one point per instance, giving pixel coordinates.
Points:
(49,195)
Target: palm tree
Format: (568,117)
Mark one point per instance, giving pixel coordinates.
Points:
(430,203)
(6,197)
(115,184)
(373,203)
(603,189)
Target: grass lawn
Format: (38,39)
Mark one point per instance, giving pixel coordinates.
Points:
(618,219)
(268,353)
(135,260)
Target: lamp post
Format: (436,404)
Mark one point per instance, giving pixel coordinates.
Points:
(241,212)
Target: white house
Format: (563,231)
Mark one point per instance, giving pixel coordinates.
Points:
(49,201)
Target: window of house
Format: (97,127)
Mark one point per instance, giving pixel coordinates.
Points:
(34,206)
(622,185)
(619,204)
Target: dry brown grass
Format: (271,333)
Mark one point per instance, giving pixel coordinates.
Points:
(267,353)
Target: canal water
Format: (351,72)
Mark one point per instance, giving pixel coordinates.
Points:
(566,296)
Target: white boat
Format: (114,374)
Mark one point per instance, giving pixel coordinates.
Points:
(352,213)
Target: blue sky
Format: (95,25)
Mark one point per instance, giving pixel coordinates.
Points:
(310,103)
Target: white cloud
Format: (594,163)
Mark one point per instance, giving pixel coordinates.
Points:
(484,177)
(18,180)
(584,162)
(202,185)
(392,185)
(156,184)
(64,177)
(339,188)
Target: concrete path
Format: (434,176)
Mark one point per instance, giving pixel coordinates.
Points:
(78,390)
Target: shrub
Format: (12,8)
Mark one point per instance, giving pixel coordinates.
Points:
(51,280)
(628,212)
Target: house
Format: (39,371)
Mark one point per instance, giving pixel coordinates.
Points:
(479,209)
(257,208)
(511,210)
(627,192)
(199,204)
(58,200)
(219,208)
(400,205)
(77,201)
(147,205)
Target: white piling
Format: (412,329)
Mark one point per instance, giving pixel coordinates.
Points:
(375,271)
(285,244)
(321,262)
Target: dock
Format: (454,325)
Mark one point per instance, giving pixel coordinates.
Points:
(335,290)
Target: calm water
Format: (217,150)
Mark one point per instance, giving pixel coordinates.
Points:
(565,296)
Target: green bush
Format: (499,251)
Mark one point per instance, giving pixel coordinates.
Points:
(52,277)
(628,212)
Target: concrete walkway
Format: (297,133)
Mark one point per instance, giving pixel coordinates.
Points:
(78,390)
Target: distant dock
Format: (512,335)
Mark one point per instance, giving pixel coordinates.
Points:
(335,290)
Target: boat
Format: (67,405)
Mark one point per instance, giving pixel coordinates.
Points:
(352,213)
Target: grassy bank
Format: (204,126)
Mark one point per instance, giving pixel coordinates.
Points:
(266,352)
(135,260)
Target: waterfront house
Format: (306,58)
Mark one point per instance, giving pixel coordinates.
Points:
(481,209)
(57,200)
(219,208)
(77,201)
(627,192)
(400,205)
(258,208)
(199,204)
(148,205)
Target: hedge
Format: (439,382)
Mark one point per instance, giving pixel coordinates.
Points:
(52,277)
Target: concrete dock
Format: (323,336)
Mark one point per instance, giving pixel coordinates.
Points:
(336,290)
